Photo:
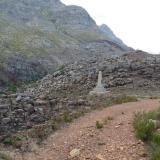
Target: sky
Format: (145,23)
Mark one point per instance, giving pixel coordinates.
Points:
(136,22)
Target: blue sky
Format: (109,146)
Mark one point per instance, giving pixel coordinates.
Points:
(136,22)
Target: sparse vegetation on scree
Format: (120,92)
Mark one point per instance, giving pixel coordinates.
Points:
(109,101)
(146,131)
(101,124)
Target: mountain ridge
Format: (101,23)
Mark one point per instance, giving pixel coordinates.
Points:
(42,35)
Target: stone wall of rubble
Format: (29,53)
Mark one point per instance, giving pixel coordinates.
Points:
(21,111)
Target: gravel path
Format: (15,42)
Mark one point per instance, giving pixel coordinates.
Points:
(115,141)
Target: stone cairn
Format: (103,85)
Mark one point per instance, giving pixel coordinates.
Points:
(99,89)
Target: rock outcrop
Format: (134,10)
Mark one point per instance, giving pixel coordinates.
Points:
(137,70)
(47,34)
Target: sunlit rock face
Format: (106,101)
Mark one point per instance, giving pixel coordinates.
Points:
(48,33)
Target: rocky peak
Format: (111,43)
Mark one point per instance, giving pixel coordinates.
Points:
(109,33)
(106,30)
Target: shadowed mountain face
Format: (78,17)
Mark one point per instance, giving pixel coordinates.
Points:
(37,36)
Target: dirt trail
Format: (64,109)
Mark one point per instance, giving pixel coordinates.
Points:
(116,141)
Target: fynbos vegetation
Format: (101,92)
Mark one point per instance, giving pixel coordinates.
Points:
(146,131)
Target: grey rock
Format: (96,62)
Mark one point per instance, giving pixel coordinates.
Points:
(4,106)
(40,102)
(6,120)
(36,118)
(19,98)
(29,108)
(19,111)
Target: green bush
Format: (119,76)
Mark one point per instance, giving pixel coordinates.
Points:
(12,88)
(145,130)
(8,141)
(15,141)
(156,138)
(156,154)
(99,125)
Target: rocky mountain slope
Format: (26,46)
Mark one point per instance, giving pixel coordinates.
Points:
(136,73)
(37,36)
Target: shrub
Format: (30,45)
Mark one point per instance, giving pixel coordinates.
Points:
(156,154)
(146,131)
(67,117)
(15,141)
(107,119)
(124,99)
(156,138)
(154,97)
(8,141)
(12,88)
(99,125)
(110,118)
(144,128)
(78,114)
(4,157)
(54,125)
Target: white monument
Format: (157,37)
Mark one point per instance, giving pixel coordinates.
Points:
(99,89)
